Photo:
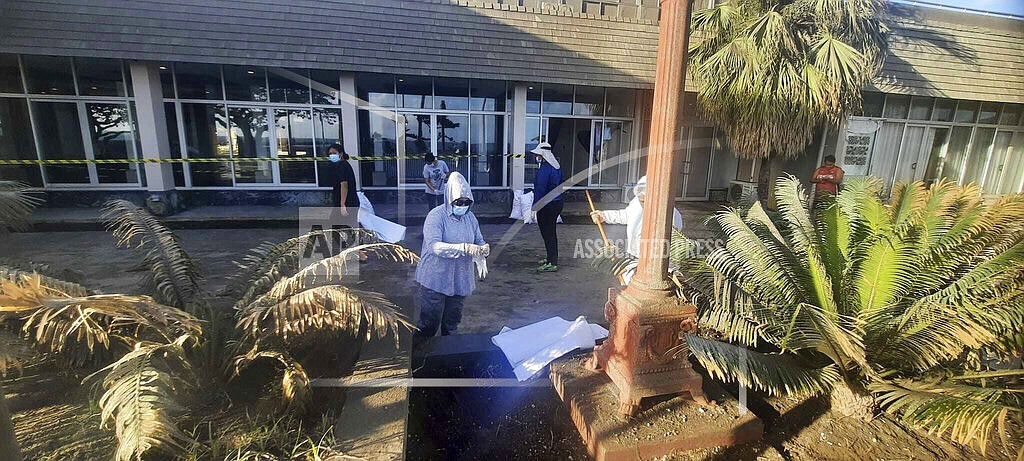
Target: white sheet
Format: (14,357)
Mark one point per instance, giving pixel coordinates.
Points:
(529,349)
(386,231)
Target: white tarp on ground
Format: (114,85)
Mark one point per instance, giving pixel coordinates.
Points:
(529,349)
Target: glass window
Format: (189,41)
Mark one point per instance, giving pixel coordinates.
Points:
(533,98)
(487,150)
(699,156)
(989,113)
(416,133)
(245,83)
(534,136)
(621,102)
(10,74)
(206,136)
(611,140)
(175,143)
(966,112)
(944,109)
(48,74)
(589,101)
(956,151)
(325,85)
(557,99)
(198,81)
(1007,167)
(415,92)
(166,81)
(61,138)
(974,169)
(250,138)
(289,85)
(375,90)
(295,142)
(110,130)
(872,104)
(452,143)
(100,77)
(16,142)
(994,171)
(377,138)
(896,106)
(327,128)
(451,93)
(487,95)
(921,108)
(1011,114)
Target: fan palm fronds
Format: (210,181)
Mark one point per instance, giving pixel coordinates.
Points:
(142,394)
(16,204)
(171,274)
(880,293)
(81,326)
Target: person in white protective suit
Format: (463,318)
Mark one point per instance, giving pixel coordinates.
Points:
(452,245)
(633,216)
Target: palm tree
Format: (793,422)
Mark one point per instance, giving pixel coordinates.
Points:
(155,349)
(901,300)
(16,204)
(770,73)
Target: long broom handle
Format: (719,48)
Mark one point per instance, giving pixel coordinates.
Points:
(600,226)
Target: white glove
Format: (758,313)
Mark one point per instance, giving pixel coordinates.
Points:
(481,266)
(475,250)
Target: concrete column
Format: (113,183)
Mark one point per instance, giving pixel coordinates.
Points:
(518,135)
(152,124)
(349,120)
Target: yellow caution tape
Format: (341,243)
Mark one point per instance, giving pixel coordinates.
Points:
(225,160)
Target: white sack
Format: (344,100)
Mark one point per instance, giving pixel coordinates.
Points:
(386,231)
(531,348)
(526,208)
(517,205)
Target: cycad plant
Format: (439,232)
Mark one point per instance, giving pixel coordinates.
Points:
(150,353)
(903,300)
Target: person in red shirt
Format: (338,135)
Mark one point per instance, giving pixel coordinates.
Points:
(826,179)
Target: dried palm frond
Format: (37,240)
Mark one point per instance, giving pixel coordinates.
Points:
(53,286)
(269,262)
(295,389)
(16,204)
(81,326)
(142,395)
(171,274)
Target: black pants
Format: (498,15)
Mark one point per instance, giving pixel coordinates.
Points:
(546,219)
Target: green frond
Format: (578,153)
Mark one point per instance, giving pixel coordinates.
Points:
(171,274)
(16,204)
(776,374)
(142,395)
(965,414)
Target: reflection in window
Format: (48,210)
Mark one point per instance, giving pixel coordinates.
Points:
(206,136)
(166,80)
(417,134)
(110,131)
(325,85)
(534,136)
(16,142)
(989,113)
(487,149)
(1011,114)
(488,95)
(621,102)
(375,90)
(996,170)
(294,129)
(944,109)
(452,143)
(198,81)
(287,85)
(250,138)
(533,98)
(896,106)
(245,83)
(557,99)
(966,111)
(10,74)
(871,106)
(175,144)
(956,150)
(327,128)
(1008,164)
(610,142)
(974,169)
(589,101)
(100,77)
(377,139)
(415,92)
(921,108)
(63,140)
(48,74)
(451,93)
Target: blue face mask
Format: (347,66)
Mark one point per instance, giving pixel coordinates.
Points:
(334,158)
(460,210)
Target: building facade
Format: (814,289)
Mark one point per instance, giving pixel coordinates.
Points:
(241,99)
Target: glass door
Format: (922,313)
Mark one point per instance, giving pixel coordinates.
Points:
(415,138)
(452,143)
(695,167)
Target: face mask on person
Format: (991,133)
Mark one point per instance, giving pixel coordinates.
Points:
(461,206)
(334,158)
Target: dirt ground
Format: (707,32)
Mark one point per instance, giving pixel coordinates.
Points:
(513,294)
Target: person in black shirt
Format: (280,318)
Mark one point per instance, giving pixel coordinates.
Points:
(342,179)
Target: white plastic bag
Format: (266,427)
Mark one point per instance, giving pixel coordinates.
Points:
(517,205)
(529,349)
(526,208)
(386,231)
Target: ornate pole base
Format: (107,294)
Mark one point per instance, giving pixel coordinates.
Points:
(644,354)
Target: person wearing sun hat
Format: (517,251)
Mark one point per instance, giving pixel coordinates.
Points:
(547,202)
